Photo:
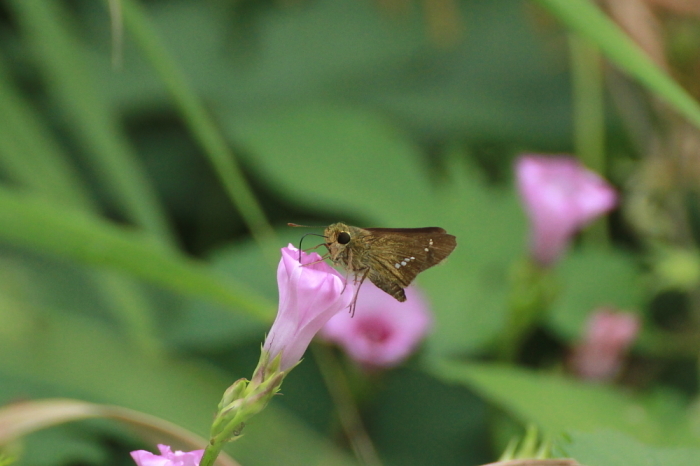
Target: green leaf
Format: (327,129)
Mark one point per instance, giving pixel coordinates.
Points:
(458,422)
(470,289)
(589,279)
(612,448)
(557,404)
(339,159)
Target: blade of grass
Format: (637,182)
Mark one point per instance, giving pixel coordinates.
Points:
(589,117)
(589,105)
(31,157)
(31,221)
(68,79)
(117,28)
(557,404)
(583,17)
(202,126)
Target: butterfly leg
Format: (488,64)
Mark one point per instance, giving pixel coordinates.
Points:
(353,304)
(346,281)
(324,257)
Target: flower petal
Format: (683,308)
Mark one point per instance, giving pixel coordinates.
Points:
(167,457)
(310,294)
(383,332)
(560,197)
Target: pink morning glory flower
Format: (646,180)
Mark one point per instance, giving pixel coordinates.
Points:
(383,331)
(608,336)
(310,295)
(167,457)
(560,196)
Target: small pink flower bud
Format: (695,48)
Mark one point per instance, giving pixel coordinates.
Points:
(167,457)
(383,331)
(310,294)
(608,336)
(560,196)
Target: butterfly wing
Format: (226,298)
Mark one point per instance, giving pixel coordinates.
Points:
(402,253)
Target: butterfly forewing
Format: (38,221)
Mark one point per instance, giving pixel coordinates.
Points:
(404,254)
(408,231)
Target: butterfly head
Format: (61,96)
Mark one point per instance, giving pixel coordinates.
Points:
(339,238)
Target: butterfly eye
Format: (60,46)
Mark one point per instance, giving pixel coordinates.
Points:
(343,237)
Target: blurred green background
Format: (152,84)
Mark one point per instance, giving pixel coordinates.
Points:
(151,156)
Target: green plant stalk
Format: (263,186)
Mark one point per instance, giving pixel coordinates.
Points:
(589,117)
(531,292)
(117,29)
(348,413)
(586,19)
(588,101)
(241,401)
(30,157)
(203,127)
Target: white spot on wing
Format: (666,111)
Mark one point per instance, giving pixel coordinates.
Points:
(397,265)
(403,262)
(426,249)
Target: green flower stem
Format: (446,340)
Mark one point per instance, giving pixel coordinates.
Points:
(588,99)
(211,452)
(589,117)
(241,401)
(532,291)
(348,414)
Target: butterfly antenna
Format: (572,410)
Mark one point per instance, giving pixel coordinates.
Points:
(301,226)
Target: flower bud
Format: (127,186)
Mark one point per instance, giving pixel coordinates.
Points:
(600,355)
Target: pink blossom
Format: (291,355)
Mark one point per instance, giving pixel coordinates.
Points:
(383,331)
(167,457)
(608,336)
(309,296)
(561,196)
